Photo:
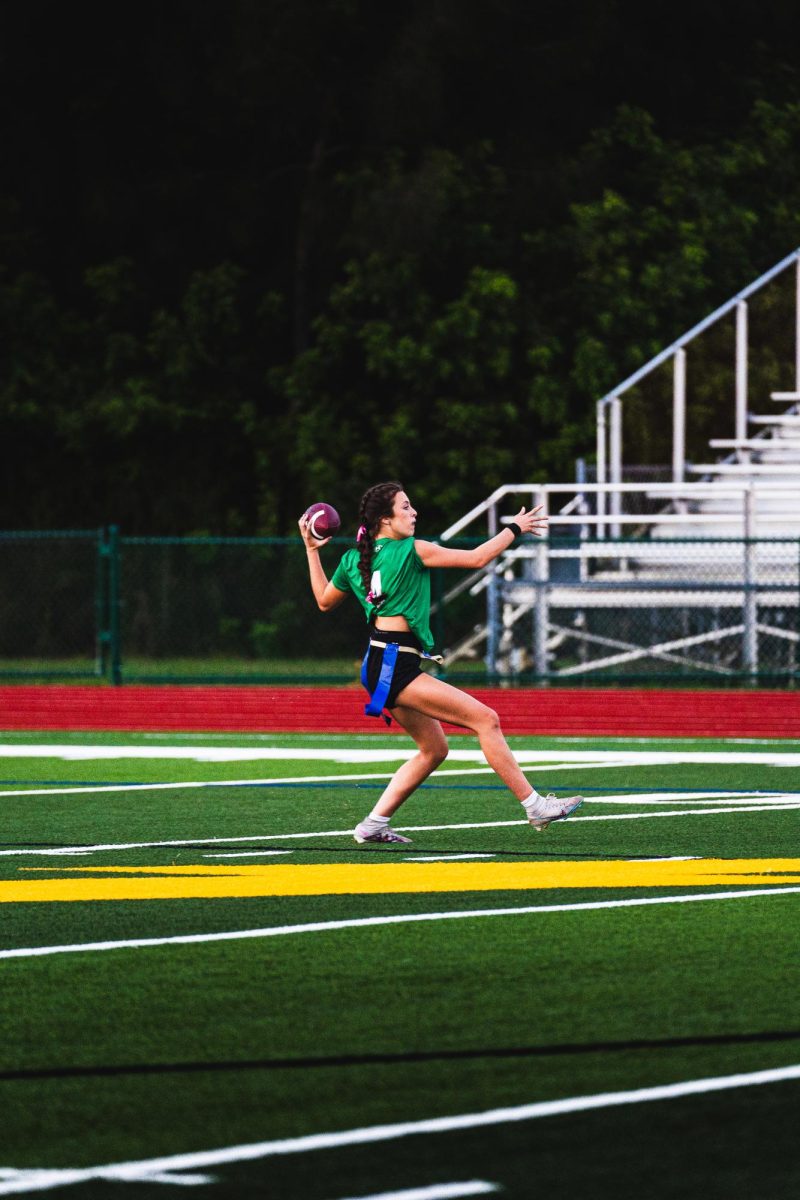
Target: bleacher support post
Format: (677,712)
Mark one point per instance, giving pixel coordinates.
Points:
(679,417)
(615,454)
(741,370)
(601,466)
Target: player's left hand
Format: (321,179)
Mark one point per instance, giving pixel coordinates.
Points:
(529,521)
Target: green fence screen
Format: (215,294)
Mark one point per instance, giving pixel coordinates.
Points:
(94,605)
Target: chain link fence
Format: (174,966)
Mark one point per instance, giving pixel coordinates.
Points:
(52,603)
(650,609)
(93,605)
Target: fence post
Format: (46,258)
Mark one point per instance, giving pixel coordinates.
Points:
(114,657)
(100,590)
(542,596)
(750,614)
(492,602)
(102,605)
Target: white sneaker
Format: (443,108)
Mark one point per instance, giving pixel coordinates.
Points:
(550,808)
(384,836)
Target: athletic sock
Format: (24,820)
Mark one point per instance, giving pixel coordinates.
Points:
(373,823)
(534,804)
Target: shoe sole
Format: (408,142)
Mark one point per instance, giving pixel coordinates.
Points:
(362,841)
(540,826)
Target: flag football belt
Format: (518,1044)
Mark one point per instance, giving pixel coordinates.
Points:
(379,696)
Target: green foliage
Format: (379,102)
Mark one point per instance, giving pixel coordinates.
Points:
(428,396)
(426,252)
(682,228)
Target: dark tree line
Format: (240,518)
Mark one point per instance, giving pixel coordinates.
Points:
(259,252)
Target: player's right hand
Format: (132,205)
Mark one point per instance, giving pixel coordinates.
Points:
(312,543)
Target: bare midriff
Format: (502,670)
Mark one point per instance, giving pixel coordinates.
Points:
(393,624)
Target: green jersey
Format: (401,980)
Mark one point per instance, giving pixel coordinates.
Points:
(400,576)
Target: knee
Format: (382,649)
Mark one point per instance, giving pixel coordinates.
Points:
(437,754)
(488,720)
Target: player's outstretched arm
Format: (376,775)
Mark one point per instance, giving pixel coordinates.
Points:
(526,520)
(326,595)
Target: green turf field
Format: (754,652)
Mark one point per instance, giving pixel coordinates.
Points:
(206,983)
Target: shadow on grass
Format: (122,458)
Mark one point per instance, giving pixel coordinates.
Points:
(420,1056)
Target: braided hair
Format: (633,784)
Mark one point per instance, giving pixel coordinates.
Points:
(377,502)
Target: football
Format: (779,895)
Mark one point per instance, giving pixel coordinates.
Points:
(323,520)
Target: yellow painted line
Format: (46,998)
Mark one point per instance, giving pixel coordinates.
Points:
(326,879)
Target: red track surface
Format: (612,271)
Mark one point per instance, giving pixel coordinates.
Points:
(554,711)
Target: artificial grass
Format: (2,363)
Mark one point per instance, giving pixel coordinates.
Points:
(242,1041)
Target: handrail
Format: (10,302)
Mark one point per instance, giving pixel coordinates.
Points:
(665,491)
(700,327)
(485,505)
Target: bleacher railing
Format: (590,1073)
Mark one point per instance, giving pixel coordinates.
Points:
(610,407)
(555,607)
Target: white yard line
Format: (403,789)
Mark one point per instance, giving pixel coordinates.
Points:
(191,939)
(705,795)
(777,805)
(443,857)
(251,854)
(397,751)
(695,812)
(436,1191)
(362,777)
(755,803)
(145,1170)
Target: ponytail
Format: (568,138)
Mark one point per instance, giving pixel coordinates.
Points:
(377,502)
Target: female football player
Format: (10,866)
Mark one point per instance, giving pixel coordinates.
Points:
(388,571)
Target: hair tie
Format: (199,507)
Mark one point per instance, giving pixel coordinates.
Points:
(361,532)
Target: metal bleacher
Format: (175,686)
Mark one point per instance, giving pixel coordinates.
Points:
(695,574)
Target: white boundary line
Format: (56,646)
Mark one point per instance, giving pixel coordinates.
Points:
(752,802)
(189,939)
(391,750)
(145,1170)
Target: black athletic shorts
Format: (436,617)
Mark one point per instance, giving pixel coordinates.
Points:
(407,667)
